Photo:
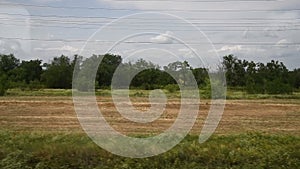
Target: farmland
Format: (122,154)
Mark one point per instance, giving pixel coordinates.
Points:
(46,114)
(66,68)
(40,131)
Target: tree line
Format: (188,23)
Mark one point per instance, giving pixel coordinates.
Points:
(271,78)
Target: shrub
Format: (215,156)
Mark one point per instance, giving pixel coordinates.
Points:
(278,87)
(35,85)
(3,85)
(172,88)
(219,90)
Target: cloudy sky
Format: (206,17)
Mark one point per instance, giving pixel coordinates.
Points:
(200,31)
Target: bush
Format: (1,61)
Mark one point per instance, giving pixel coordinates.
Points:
(219,90)
(3,85)
(172,88)
(35,85)
(277,87)
(18,85)
(255,88)
(269,87)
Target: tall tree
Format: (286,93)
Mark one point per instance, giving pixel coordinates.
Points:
(107,68)
(59,73)
(235,70)
(295,78)
(180,71)
(29,71)
(8,63)
(201,76)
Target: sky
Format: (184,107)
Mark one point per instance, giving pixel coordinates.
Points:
(199,31)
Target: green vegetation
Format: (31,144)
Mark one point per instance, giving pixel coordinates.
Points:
(246,80)
(254,78)
(252,150)
(3,84)
(272,78)
(170,90)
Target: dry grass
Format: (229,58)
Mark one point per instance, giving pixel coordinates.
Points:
(53,114)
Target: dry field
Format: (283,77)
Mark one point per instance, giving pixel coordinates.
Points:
(53,114)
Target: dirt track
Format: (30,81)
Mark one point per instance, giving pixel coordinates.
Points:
(57,114)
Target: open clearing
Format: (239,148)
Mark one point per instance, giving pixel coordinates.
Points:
(44,132)
(53,114)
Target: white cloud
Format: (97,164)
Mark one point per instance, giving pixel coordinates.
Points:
(270,33)
(10,46)
(14,28)
(188,52)
(183,5)
(163,38)
(283,43)
(240,49)
(265,33)
(298,48)
(184,50)
(46,1)
(235,48)
(64,48)
(262,27)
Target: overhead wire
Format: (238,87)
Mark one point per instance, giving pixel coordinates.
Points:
(148,42)
(66,20)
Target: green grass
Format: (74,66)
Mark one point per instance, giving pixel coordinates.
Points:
(251,150)
(241,94)
(41,92)
(231,94)
(68,92)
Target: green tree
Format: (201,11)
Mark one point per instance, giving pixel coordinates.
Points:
(295,78)
(201,74)
(84,73)
(58,73)
(30,71)
(8,63)
(148,76)
(272,78)
(181,72)
(107,69)
(235,70)
(3,84)
(277,78)
(147,79)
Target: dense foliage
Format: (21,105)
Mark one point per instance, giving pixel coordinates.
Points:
(269,78)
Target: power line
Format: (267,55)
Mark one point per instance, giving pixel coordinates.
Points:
(147,42)
(168,10)
(84,21)
(198,0)
(87,23)
(176,25)
(141,20)
(288,20)
(134,18)
(157,29)
(126,9)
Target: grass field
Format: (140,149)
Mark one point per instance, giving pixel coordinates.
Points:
(252,150)
(231,94)
(39,129)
